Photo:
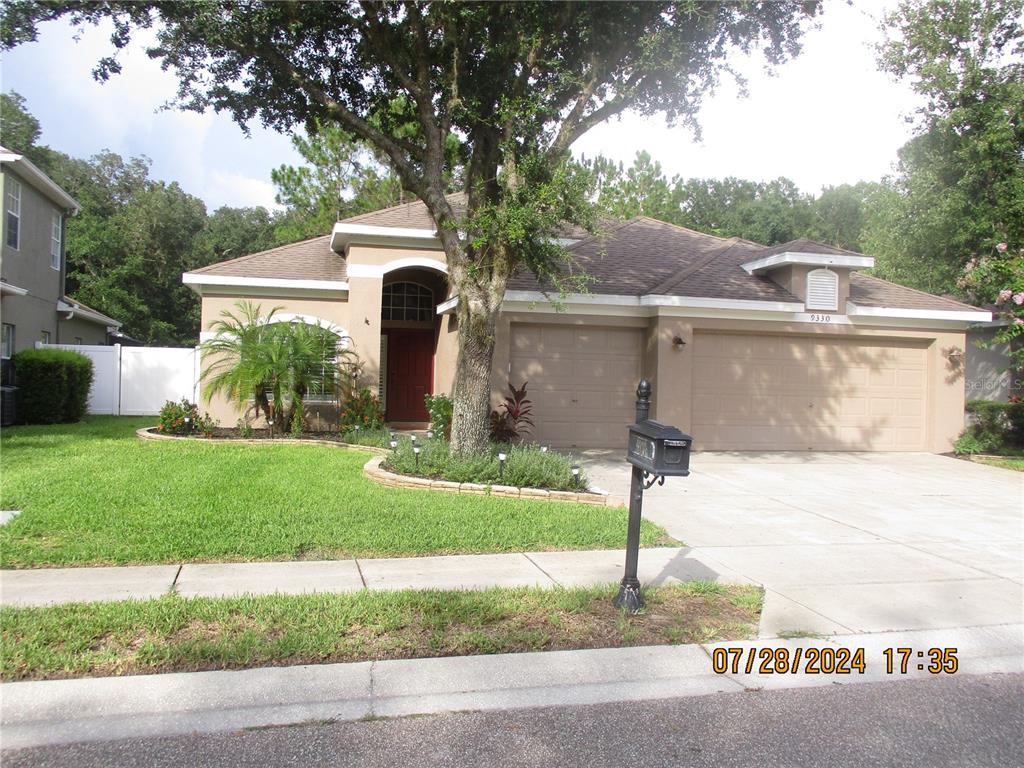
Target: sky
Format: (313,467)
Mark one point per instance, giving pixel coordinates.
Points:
(828,117)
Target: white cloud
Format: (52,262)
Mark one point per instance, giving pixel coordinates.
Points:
(238,190)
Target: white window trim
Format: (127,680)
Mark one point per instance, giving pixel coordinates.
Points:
(12,192)
(6,354)
(56,239)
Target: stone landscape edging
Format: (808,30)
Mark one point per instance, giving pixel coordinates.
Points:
(373,471)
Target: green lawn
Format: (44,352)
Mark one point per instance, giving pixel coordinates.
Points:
(1007,463)
(93,494)
(177,634)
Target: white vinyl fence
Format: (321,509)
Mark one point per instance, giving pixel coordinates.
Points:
(137,381)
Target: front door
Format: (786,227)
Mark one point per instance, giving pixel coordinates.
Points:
(410,374)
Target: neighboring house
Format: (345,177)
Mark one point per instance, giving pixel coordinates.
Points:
(990,375)
(748,347)
(33,305)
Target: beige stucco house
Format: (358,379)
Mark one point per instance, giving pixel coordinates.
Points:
(749,347)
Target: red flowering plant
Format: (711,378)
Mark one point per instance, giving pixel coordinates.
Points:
(360,408)
(998,280)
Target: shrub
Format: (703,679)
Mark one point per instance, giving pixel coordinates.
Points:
(244,428)
(995,426)
(439,407)
(513,417)
(177,418)
(53,385)
(526,466)
(379,437)
(361,408)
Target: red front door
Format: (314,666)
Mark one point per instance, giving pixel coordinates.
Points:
(410,373)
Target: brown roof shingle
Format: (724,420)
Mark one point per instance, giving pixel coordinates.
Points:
(306,260)
(633,258)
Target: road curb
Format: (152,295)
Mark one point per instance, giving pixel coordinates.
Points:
(101,709)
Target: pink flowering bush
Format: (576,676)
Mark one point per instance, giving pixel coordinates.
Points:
(998,279)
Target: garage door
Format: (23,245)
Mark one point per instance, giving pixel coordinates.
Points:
(582,381)
(755,392)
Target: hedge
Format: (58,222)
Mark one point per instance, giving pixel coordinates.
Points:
(53,385)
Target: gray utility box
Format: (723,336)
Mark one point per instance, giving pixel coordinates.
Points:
(659,449)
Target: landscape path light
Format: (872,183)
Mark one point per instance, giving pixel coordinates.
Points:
(575,475)
(430,434)
(416,453)
(501,464)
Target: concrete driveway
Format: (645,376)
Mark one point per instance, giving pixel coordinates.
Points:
(842,542)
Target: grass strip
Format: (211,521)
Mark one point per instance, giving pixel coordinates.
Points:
(175,634)
(92,493)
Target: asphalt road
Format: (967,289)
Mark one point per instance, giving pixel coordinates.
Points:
(956,721)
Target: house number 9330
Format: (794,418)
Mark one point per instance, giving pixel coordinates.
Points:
(821,318)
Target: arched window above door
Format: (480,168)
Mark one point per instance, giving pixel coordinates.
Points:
(406,301)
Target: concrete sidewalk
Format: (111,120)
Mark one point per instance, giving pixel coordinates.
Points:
(100,709)
(47,586)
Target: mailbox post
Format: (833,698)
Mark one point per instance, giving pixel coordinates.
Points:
(655,450)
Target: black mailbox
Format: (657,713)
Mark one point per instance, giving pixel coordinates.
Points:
(659,449)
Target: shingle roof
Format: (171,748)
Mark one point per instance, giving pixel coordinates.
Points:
(306,260)
(646,256)
(415,215)
(100,316)
(633,258)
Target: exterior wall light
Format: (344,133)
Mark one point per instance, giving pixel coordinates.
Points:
(678,342)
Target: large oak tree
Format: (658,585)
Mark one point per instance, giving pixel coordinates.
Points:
(513,85)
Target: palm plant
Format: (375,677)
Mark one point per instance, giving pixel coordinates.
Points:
(275,364)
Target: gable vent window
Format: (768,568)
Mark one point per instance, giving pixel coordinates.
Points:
(822,290)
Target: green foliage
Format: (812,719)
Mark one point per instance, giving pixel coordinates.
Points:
(378,437)
(439,409)
(92,493)
(183,418)
(960,186)
(53,385)
(274,364)
(342,178)
(526,466)
(995,426)
(360,408)
(998,279)
(245,429)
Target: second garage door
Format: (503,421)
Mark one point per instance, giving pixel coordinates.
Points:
(582,381)
(754,392)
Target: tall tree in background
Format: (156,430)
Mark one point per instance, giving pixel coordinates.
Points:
(341,178)
(134,236)
(513,84)
(960,186)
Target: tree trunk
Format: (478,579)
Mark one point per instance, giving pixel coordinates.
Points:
(478,318)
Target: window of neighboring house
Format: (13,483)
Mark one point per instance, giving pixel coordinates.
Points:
(407,301)
(45,337)
(78,340)
(13,220)
(8,342)
(55,240)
